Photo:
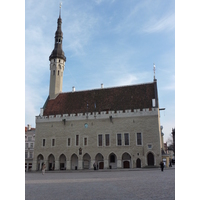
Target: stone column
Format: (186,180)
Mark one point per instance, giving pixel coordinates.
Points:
(106,164)
(68,166)
(119,164)
(80,164)
(91,164)
(57,166)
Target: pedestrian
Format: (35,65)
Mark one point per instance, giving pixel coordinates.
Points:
(94,165)
(162,165)
(43,169)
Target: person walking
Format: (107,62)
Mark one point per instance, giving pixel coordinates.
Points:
(94,165)
(43,169)
(162,165)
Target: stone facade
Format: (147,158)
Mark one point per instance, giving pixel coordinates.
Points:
(73,141)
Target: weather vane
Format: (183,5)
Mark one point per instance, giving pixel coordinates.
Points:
(60,8)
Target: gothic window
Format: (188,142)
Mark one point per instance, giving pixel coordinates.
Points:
(77,140)
(53,72)
(100,140)
(68,142)
(43,142)
(58,72)
(53,142)
(85,141)
(139,139)
(107,137)
(119,139)
(126,138)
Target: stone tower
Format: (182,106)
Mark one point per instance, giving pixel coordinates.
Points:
(57,62)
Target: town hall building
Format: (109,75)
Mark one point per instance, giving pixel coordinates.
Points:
(117,127)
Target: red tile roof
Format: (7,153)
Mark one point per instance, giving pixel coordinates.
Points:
(116,98)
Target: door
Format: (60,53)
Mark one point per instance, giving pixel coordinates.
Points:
(126,164)
(101,165)
(150,159)
(138,163)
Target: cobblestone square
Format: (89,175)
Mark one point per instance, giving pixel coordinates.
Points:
(106,184)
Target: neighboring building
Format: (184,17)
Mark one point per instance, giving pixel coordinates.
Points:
(116,127)
(29,147)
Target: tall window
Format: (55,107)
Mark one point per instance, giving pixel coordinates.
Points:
(43,142)
(119,139)
(107,137)
(53,142)
(77,140)
(126,138)
(139,139)
(53,72)
(100,140)
(68,142)
(85,141)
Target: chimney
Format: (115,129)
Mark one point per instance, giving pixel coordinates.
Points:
(73,89)
(102,85)
(29,127)
(41,111)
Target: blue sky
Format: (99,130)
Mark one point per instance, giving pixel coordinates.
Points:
(112,42)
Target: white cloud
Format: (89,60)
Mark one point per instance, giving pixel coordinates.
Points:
(166,23)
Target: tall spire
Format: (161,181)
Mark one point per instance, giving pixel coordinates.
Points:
(57,51)
(154,70)
(60,10)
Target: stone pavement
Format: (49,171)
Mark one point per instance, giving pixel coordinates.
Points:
(106,184)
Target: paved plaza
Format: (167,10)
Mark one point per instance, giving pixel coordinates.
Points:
(108,184)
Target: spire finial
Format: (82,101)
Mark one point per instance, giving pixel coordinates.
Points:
(60,9)
(154,70)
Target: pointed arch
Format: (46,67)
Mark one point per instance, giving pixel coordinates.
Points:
(74,161)
(126,159)
(40,162)
(112,161)
(138,163)
(86,161)
(62,161)
(51,162)
(150,159)
(99,159)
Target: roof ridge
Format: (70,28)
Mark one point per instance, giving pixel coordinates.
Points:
(108,88)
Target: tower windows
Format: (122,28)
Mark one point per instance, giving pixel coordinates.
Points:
(77,140)
(58,72)
(53,72)
(43,142)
